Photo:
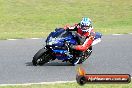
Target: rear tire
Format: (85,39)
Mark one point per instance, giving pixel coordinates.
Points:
(41,57)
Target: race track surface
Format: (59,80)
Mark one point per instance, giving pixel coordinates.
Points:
(112,55)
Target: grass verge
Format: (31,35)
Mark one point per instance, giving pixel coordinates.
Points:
(37,18)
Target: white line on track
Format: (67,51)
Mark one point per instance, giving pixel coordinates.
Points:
(24,84)
(35,38)
(12,39)
(130,33)
(25,38)
(117,34)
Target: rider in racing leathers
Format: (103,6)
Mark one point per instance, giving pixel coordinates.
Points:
(85,33)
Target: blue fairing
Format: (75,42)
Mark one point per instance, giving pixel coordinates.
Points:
(57,32)
(58,39)
(60,54)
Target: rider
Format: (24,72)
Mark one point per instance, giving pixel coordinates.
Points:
(85,32)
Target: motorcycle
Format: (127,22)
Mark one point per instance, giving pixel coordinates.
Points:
(57,47)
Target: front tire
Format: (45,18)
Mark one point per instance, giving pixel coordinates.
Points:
(41,57)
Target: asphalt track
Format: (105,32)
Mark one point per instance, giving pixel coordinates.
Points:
(112,55)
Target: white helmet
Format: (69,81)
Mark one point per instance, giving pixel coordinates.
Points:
(86,23)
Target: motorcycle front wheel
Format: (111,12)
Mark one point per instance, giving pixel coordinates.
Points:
(41,57)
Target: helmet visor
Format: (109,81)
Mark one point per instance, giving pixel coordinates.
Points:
(85,27)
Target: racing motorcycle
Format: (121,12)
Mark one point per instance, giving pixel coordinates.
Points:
(57,47)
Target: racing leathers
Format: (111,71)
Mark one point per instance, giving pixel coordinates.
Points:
(88,37)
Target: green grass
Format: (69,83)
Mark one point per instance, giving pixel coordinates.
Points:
(37,18)
(73,85)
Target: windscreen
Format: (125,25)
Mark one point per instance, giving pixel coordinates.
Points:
(60,34)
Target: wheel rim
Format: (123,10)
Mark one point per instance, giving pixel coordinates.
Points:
(43,59)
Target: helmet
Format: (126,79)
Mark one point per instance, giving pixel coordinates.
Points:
(85,24)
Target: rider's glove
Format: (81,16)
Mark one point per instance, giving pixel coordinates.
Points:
(72,47)
(67,29)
